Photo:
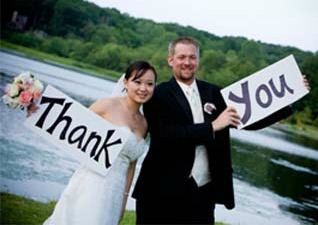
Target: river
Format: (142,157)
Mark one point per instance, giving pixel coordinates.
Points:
(275,173)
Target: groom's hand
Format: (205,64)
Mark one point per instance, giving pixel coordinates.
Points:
(228,117)
(306,82)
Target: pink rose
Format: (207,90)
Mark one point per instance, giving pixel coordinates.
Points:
(25,98)
(36,95)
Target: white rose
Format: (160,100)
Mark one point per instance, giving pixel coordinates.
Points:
(37,86)
(15,103)
(23,78)
(12,102)
(13,90)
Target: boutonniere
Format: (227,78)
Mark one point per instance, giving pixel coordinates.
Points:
(209,107)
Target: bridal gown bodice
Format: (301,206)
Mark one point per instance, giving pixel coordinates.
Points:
(91,198)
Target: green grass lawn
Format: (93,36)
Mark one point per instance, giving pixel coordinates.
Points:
(19,210)
(22,211)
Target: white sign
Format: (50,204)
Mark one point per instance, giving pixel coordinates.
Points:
(266,91)
(77,130)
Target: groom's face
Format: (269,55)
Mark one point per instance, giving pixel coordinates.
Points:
(184,62)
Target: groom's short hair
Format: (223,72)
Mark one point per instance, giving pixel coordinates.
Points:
(183,40)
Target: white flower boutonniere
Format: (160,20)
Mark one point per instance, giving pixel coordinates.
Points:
(209,107)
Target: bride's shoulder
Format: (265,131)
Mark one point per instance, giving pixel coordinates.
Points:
(103,104)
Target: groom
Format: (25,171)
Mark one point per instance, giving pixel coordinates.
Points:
(188,167)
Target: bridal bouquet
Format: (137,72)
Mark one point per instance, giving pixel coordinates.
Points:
(24,91)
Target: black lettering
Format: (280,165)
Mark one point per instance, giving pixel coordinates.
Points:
(245,99)
(51,102)
(91,137)
(82,132)
(283,87)
(105,146)
(61,118)
(268,93)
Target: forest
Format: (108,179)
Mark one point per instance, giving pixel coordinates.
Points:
(107,38)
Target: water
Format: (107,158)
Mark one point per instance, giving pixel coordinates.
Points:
(278,166)
(275,172)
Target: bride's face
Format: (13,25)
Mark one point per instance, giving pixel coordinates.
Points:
(141,89)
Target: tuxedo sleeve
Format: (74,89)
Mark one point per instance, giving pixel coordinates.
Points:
(273,118)
(195,133)
(163,126)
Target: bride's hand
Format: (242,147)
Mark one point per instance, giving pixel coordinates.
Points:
(31,109)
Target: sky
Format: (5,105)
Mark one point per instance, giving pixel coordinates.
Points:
(284,22)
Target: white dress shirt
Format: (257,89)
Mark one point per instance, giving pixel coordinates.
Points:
(200,170)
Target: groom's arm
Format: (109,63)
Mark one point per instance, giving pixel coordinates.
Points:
(164,126)
(271,119)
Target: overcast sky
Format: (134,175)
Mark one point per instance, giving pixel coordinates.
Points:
(285,22)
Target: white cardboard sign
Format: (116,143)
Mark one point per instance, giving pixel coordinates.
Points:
(266,91)
(73,128)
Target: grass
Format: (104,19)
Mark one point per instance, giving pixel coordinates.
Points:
(22,211)
(19,210)
(59,61)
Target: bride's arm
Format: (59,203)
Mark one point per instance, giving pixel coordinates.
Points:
(129,179)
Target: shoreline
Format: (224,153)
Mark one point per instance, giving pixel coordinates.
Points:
(87,69)
(61,62)
(307,131)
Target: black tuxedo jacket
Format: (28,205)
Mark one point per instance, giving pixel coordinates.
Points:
(167,166)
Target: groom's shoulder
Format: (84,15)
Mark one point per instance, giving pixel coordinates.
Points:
(163,87)
(209,85)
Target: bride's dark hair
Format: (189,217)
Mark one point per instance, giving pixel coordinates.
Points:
(138,68)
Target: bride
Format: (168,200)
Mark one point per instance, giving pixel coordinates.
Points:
(90,198)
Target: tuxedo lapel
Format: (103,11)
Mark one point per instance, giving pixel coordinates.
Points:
(178,94)
(205,97)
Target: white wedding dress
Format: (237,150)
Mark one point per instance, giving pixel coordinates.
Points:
(94,199)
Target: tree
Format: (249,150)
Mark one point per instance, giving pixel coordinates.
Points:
(310,68)
(55,45)
(103,34)
(212,61)
(112,56)
(83,51)
(304,117)
(252,51)
(68,17)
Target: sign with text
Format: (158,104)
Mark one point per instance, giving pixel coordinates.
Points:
(266,91)
(73,128)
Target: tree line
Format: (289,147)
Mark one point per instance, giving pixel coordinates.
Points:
(107,38)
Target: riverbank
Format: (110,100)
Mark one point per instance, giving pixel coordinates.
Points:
(66,63)
(306,131)
(19,210)
(71,64)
